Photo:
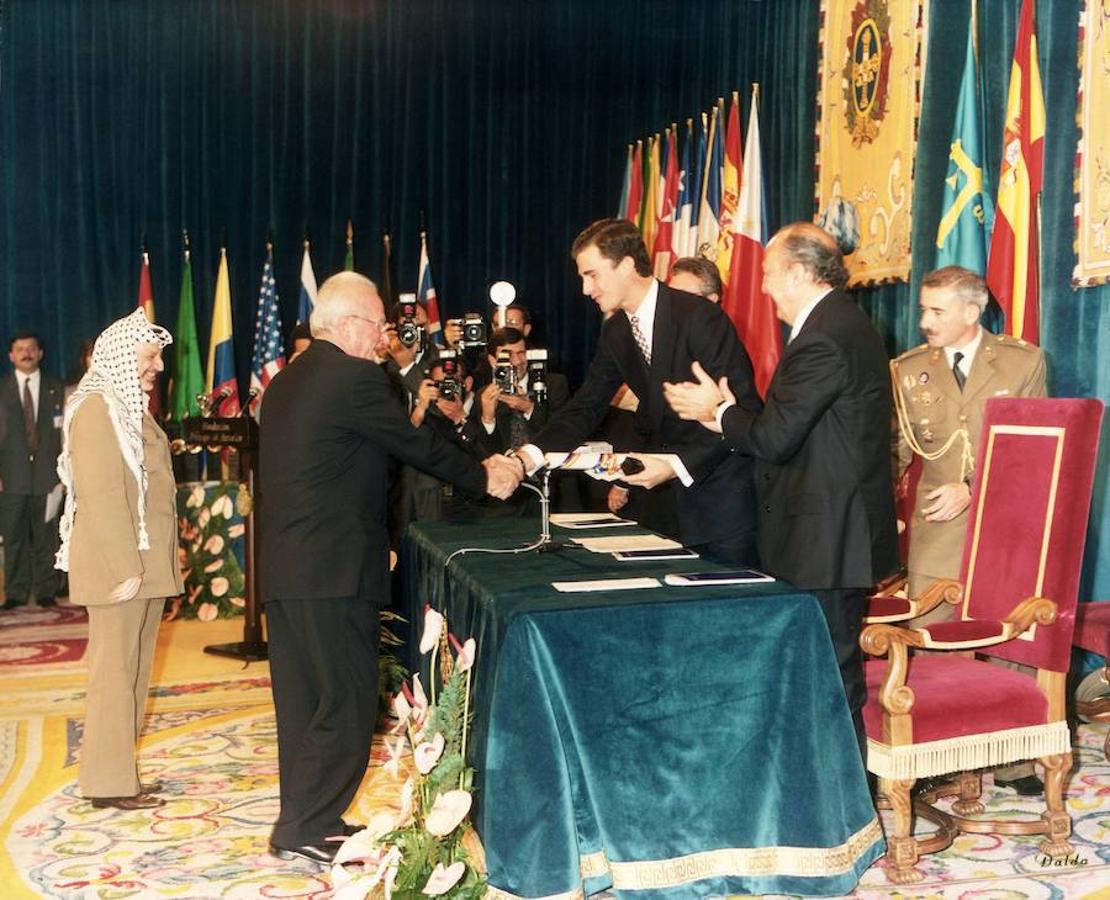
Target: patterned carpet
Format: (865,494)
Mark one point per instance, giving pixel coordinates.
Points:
(210,741)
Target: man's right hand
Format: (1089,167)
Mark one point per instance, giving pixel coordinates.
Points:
(452,332)
(428,393)
(488,398)
(617,499)
(126,590)
(503,475)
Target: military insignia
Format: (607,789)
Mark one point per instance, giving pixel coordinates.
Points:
(1002,393)
(923,378)
(927,436)
(909,381)
(926,398)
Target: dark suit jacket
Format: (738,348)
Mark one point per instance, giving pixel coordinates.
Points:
(19,473)
(822,445)
(329,425)
(720,503)
(558,393)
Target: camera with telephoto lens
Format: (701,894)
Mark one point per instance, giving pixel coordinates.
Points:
(450,385)
(473,332)
(504,373)
(537,374)
(409,331)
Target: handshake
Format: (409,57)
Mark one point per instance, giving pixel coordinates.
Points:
(503,475)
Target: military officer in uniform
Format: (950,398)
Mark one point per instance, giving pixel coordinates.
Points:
(940,391)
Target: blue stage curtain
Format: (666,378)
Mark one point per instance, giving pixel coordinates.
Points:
(505,121)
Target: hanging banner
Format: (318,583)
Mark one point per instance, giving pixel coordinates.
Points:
(1092,156)
(871,57)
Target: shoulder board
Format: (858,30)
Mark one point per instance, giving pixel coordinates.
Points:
(913,351)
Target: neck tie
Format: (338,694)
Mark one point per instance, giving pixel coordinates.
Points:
(641,341)
(518,429)
(957,372)
(29,429)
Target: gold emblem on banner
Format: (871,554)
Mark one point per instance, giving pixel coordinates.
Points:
(867,70)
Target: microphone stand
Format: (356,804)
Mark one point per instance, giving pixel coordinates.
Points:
(545,544)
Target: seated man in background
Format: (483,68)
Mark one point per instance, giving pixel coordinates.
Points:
(510,411)
(443,403)
(697,275)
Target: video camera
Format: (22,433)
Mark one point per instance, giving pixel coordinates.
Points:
(450,386)
(409,331)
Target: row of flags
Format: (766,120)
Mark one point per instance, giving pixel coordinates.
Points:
(1001,240)
(709,201)
(218,380)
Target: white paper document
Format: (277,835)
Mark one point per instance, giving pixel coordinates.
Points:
(588,520)
(606,584)
(622,542)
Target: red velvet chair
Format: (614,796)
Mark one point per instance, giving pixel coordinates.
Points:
(951,712)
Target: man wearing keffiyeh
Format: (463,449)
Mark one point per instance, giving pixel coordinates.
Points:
(119,544)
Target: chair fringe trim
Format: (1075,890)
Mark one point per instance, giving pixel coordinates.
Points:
(973,751)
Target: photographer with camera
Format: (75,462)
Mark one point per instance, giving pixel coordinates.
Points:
(411,355)
(522,395)
(517,403)
(443,403)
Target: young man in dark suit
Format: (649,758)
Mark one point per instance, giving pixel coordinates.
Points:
(329,424)
(822,443)
(30,440)
(653,336)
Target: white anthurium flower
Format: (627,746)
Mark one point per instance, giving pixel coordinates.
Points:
(427,754)
(196,498)
(359,846)
(401,709)
(464,655)
(443,879)
(214,544)
(433,628)
(449,809)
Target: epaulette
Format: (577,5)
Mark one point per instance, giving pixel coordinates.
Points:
(1008,340)
(912,352)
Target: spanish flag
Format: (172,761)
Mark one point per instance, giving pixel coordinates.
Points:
(1012,269)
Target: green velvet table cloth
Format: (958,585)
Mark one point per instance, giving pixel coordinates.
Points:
(666,742)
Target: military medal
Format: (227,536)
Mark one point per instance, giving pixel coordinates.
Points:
(923,378)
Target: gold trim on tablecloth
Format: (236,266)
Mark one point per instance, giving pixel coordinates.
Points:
(729,862)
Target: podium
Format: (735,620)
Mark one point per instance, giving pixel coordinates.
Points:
(240,434)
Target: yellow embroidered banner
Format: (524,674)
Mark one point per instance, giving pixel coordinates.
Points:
(1092,158)
(868,98)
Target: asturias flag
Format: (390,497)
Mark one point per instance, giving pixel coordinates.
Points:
(751,310)
(269,355)
(963,235)
(308,287)
(187,378)
(1013,269)
(220,381)
(426,292)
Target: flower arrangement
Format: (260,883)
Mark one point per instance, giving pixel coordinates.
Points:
(419,851)
(214,583)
